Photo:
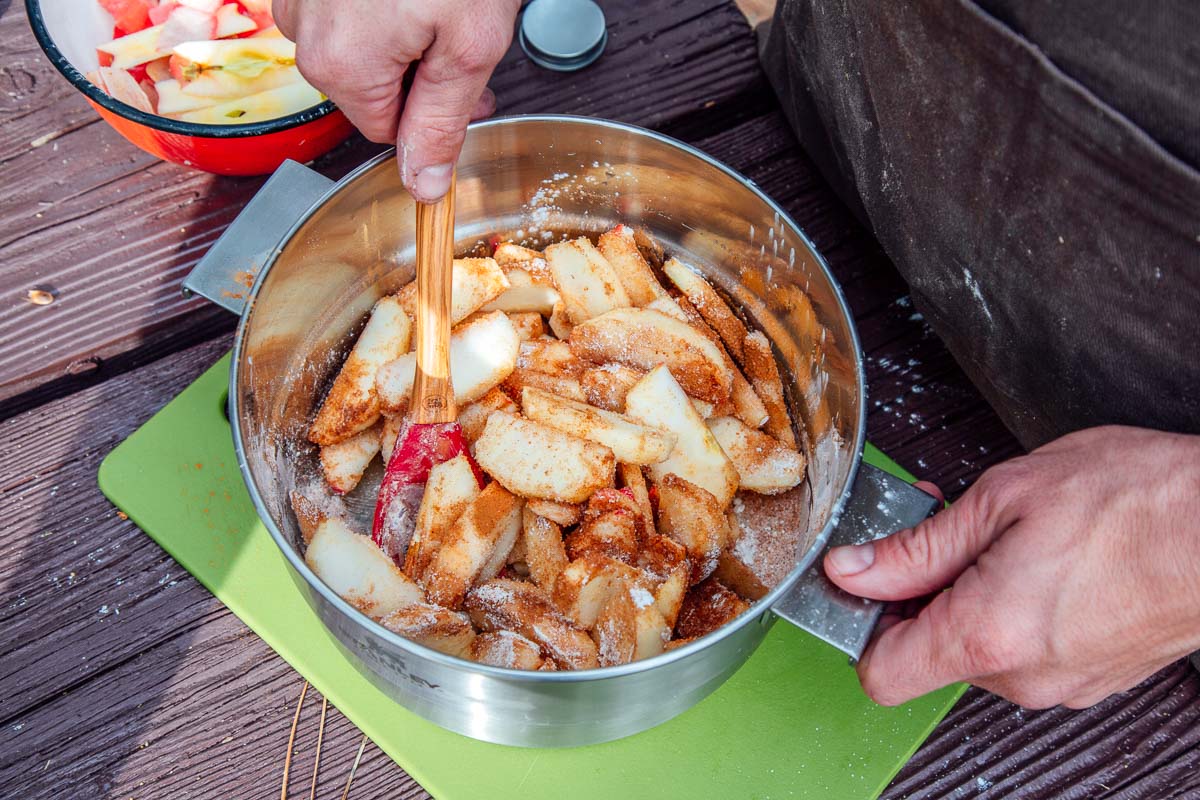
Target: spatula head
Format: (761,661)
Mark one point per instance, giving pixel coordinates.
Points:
(419,448)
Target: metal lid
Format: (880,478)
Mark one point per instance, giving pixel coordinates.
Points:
(563,35)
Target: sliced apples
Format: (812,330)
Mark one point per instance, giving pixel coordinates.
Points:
(207,62)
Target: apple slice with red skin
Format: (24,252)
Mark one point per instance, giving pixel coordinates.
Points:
(159,13)
(232,22)
(130,16)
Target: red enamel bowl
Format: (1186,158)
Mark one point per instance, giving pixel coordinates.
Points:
(69,30)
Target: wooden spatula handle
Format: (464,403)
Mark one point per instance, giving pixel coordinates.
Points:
(433,394)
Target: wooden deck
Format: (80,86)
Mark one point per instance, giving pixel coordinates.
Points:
(122,677)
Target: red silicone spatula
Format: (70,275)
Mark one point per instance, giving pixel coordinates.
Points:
(431,434)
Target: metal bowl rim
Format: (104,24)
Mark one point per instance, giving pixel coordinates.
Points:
(566,676)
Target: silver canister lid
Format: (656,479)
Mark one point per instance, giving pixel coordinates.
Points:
(563,35)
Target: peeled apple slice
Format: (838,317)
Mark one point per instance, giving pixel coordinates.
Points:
(351,565)
(121,86)
(134,49)
(258,107)
(158,69)
(173,100)
(216,85)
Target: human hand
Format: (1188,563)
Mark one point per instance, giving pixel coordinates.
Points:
(1075,573)
(357,52)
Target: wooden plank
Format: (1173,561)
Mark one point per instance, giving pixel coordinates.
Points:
(114,231)
(131,654)
(87,589)
(204,714)
(1143,743)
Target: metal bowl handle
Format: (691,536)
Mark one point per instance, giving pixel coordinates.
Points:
(226,271)
(880,504)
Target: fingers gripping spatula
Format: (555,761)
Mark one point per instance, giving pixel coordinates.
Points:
(431,433)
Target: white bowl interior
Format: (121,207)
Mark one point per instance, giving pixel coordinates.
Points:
(77,26)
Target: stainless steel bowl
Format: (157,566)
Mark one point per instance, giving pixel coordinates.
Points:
(324,253)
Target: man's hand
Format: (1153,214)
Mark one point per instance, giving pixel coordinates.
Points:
(357,52)
(1074,574)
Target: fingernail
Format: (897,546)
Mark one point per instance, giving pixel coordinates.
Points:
(433,182)
(852,559)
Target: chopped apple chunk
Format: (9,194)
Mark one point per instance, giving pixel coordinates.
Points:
(634,481)
(537,461)
(240,58)
(644,339)
(615,631)
(619,247)
(482,354)
(344,463)
(763,373)
(434,627)
(763,463)
(271,104)
(525,609)
(630,442)
(706,608)
(563,514)
(524,294)
(612,534)
(659,402)
(587,583)
(691,516)
(474,282)
(605,386)
(551,357)
(512,256)
(529,325)
(352,404)
(506,649)
(712,307)
(587,282)
(469,546)
(560,385)
(474,416)
(544,550)
(352,566)
(450,489)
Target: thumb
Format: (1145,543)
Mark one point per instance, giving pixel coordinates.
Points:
(923,559)
(442,100)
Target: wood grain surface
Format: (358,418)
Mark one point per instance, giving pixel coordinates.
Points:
(120,676)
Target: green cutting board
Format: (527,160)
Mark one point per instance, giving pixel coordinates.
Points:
(792,722)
